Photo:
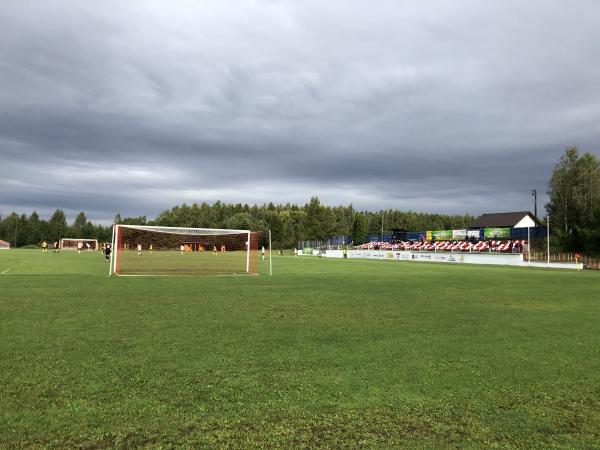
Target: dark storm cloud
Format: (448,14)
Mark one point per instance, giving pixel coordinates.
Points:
(449,106)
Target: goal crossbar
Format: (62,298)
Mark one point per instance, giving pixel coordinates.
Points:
(184,230)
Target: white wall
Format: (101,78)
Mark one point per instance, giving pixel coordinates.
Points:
(448,257)
(334,253)
(555,265)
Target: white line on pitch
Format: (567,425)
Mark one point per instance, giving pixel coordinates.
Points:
(4,271)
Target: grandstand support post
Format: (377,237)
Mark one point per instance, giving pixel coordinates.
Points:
(112,241)
(548,238)
(270,256)
(248,254)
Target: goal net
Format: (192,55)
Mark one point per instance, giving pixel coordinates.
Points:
(78,244)
(149,250)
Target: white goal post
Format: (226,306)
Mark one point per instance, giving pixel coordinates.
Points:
(161,250)
(72,244)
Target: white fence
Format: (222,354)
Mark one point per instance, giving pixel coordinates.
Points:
(509,259)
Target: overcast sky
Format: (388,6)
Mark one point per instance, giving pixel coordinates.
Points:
(438,106)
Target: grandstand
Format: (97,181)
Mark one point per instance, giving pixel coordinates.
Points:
(494,246)
(509,232)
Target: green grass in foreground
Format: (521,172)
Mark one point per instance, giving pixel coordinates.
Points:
(327,353)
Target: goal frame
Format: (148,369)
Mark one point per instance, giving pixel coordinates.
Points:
(112,267)
(60,246)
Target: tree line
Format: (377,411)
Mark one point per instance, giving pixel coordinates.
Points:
(288,223)
(22,230)
(574,206)
(574,209)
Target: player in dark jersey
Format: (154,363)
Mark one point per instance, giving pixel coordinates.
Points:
(107,251)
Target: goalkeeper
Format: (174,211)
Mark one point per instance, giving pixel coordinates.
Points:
(107,251)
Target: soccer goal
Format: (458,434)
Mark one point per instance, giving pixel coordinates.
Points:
(155,250)
(78,244)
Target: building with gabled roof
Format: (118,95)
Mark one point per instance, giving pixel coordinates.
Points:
(519,219)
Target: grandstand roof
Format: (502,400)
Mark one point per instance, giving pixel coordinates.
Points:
(509,219)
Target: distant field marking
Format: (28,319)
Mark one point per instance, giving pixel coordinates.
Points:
(5,271)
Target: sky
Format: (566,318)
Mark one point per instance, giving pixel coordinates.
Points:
(130,107)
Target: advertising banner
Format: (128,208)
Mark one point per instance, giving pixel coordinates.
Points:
(473,234)
(496,233)
(307,251)
(442,235)
(440,257)
(459,235)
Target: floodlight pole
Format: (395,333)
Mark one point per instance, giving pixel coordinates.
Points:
(534,194)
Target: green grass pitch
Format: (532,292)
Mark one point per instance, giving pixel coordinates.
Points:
(326,353)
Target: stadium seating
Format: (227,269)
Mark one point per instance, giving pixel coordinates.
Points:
(514,246)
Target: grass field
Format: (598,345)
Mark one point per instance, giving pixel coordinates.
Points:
(327,353)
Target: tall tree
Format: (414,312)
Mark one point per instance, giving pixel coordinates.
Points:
(315,224)
(35,229)
(57,225)
(79,224)
(10,228)
(359,229)
(574,191)
(562,190)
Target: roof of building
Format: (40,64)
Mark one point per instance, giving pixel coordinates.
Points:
(508,219)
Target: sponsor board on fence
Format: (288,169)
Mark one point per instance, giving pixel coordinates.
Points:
(496,233)
(459,235)
(445,257)
(442,235)
(511,259)
(447,235)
